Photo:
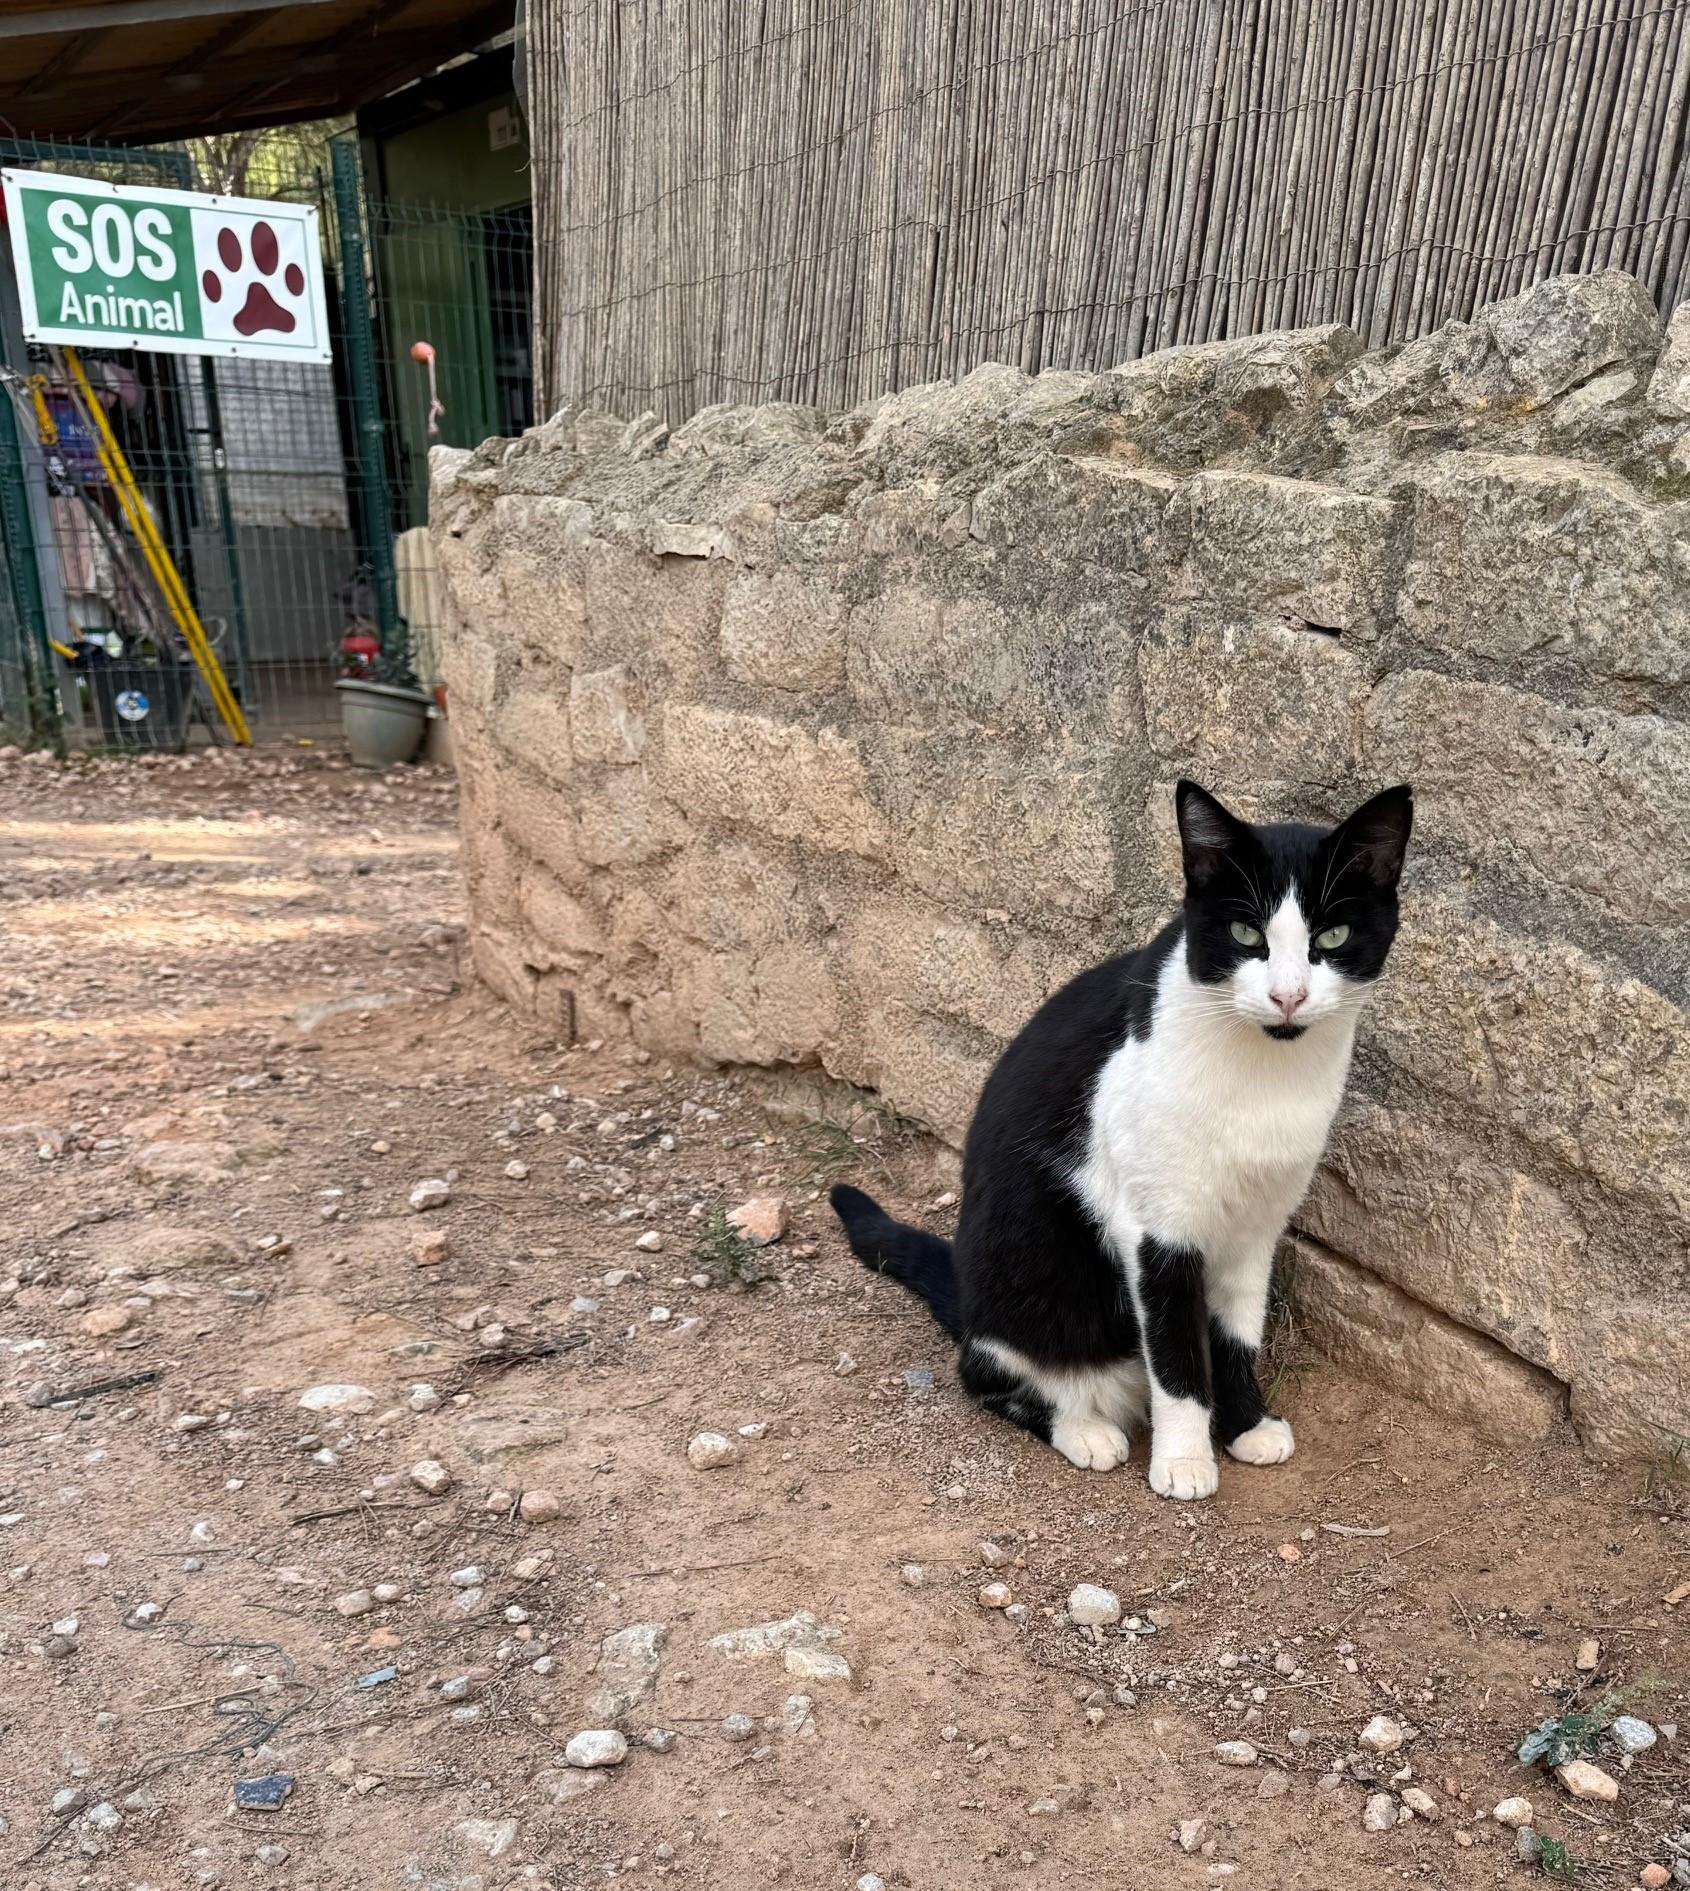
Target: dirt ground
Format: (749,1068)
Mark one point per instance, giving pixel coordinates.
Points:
(237,1032)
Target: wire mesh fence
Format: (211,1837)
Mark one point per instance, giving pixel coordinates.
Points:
(290,496)
(819,200)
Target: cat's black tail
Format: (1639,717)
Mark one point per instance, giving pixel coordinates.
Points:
(916,1259)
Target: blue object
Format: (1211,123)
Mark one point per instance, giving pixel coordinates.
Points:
(265,1794)
(379,1677)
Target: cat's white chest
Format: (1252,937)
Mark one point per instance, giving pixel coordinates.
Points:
(1207,1138)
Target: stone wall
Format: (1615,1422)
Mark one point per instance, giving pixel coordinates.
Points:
(837,742)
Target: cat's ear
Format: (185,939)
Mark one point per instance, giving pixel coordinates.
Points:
(1374,839)
(1208,832)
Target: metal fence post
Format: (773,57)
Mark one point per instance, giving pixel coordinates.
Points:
(375,509)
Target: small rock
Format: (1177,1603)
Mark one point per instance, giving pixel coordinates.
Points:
(738,1727)
(659,1739)
(271,1855)
(432,1476)
(1528,1847)
(433,1193)
(1653,1876)
(470,1576)
(104,1817)
(423,1398)
(583,1303)
(1301,1738)
(871,1881)
(996,1595)
(338,1399)
(709,1451)
(1590,1652)
(913,1575)
(1289,1553)
(539,1506)
(760,1221)
(597,1746)
(810,1663)
(1585,1781)
(1381,1735)
(267,1793)
(1273,1784)
(1236,1753)
(103,1322)
(994,1555)
(491,1838)
(430,1247)
(1092,1607)
(1513,1813)
(1379,1814)
(844,1366)
(617,1276)
(1421,1803)
(651,1242)
(516,1171)
(1191,1833)
(354,1602)
(1632,1735)
(457,1687)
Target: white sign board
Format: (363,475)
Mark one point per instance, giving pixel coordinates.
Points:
(171,271)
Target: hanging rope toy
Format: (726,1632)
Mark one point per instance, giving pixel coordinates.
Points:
(423,351)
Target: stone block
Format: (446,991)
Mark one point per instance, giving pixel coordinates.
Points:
(541,548)
(559,927)
(604,724)
(926,1068)
(660,617)
(1250,700)
(773,1007)
(1421,1205)
(1669,385)
(739,896)
(992,977)
(1291,547)
(1579,1058)
(1537,562)
(973,824)
(1086,510)
(539,819)
(1580,798)
(726,766)
(532,727)
(783,631)
(1362,1321)
(618,822)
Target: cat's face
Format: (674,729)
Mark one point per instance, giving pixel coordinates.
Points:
(1291,924)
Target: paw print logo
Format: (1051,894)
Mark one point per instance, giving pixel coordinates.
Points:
(252,278)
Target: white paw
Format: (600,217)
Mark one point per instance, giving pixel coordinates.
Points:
(1269,1442)
(1091,1443)
(1184,1478)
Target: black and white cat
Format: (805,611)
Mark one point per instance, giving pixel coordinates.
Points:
(1140,1146)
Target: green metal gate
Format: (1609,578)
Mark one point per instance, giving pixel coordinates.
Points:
(289,494)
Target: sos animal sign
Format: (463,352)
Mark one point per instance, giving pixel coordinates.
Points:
(173,271)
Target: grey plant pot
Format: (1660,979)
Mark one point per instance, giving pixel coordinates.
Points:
(383,723)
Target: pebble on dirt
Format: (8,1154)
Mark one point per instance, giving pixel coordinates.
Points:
(1585,1781)
(430,1247)
(432,1476)
(1590,1652)
(1632,1735)
(1513,1812)
(354,1602)
(1381,1735)
(1653,1877)
(996,1595)
(1421,1803)
(738,1727)
(597,1746)
(267,1793)
(1379,1814)
(1092,1607)
(433,1193)
(539,1506)
(1236,1753)
(658,1739)
(338,1399)
(760,1221)
(651,1242)
(709,1451)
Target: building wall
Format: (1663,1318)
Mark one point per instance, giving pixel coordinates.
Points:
(836,742)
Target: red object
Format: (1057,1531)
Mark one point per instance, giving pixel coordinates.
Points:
(358,652)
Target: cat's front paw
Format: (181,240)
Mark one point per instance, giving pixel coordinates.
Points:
(1267,1442)
(1091,1443)
(1184,1478)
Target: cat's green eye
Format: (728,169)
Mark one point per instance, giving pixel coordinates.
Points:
(1331,938)
(1246,935)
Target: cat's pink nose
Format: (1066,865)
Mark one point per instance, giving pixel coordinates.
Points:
(1290,1002)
